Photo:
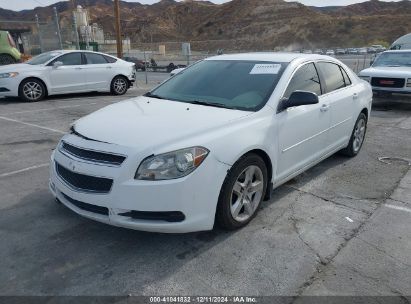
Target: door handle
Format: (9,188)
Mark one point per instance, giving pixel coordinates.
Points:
(78,68)
(324,108)
(109,67)
(355,96)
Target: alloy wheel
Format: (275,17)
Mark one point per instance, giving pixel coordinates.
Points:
(32,90)
(120,85)
(246,194)
(359,134)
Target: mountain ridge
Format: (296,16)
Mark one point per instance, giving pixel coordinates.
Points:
(266,24)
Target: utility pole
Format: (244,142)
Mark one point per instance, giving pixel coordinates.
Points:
(76,31)
(39,33)
(118,29)
(56,16)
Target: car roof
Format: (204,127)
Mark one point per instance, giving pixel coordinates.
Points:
(83,51)
(271,56)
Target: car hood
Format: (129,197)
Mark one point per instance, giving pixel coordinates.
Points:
(145,122)
(19,67)
(387,72)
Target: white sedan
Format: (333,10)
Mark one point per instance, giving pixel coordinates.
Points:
(211,142)
(62,72)
(390,72)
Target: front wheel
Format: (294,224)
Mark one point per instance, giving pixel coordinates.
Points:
(119,85)
(32,90)
(357,137)
(242,192)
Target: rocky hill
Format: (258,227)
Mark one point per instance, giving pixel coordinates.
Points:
(244,24)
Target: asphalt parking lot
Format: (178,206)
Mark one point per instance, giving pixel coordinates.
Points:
(342,228)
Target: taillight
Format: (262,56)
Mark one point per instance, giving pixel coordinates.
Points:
(11,41)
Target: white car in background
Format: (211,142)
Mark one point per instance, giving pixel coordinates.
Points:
(210,143)
(176,71)
(390,72)
(62,72)
(330,53)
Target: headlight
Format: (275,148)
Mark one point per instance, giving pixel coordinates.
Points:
(171,165)
(366,78)
(8,75)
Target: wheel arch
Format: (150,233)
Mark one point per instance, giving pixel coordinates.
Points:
(37,78)
(268,163)
(365,112)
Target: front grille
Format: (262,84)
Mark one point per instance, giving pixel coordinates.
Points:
(85,206)
(83,182)
(94,156)
(388,82)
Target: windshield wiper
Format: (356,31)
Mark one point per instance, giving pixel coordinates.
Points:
(207,103)
(151,95)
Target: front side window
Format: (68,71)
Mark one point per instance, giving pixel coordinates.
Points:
(393,59)
(333,76)
(234,84)
(69,59)
(95,58)
(305,79)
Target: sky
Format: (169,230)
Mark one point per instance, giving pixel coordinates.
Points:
(29,4)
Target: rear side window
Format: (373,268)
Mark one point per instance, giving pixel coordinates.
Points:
(347,79)
(305,79)
(333,76)
(69,59)
(95,58)
(110,59)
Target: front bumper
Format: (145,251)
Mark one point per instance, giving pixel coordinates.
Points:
(9,86)
(404,90)
(194,196)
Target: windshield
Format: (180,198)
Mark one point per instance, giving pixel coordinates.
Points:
(242,85)
(394,59)
(43,58)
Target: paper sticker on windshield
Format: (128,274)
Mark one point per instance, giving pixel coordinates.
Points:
(266,69)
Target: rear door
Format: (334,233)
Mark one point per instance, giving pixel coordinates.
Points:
(340,95)
(99,72)
(303,130)
(70,77)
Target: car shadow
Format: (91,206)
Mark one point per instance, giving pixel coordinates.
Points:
(60,97)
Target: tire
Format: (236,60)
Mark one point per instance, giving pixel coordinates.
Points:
(6,59)
(119,85)
(237,203)
(357,137)
(32,90)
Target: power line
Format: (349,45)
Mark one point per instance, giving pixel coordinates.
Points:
(38,2)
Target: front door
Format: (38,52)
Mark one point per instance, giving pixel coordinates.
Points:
(70,77)
(303,130)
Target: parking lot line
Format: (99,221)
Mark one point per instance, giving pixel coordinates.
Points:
(23,170)
(53,108)
(32,125)
(398,208)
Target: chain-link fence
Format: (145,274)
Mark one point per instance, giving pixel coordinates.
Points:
(72,30)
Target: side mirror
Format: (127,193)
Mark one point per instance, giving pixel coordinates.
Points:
(298,98)
(57,64)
